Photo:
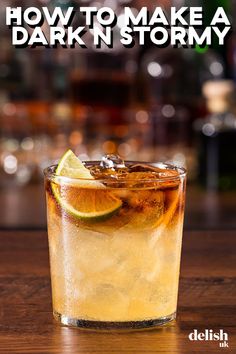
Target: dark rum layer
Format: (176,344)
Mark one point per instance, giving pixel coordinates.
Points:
(137,204)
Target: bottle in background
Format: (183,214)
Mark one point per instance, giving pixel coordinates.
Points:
(216,135)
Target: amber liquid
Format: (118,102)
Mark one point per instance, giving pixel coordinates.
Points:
(123,268)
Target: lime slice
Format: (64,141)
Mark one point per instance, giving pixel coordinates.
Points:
(85,198)
(70,166)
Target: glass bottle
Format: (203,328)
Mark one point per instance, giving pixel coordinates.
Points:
(216,135)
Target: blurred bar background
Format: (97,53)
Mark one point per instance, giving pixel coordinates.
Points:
(144,103)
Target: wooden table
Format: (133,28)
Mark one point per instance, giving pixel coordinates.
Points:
(206,301)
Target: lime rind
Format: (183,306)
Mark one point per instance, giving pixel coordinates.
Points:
(88,216)
(70,166)
(72,172)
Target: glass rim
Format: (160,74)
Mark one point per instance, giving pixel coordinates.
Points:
(49,172)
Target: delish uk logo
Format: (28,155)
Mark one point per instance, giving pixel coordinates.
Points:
(209,335)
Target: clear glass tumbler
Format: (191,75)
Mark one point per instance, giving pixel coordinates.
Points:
(119,270)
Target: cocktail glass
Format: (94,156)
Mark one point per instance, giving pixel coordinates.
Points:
(119,269)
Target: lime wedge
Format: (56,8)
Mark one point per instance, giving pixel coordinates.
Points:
(84,198)
(70,166)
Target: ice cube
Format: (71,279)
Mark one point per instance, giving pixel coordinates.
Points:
(141,167)
(168,173)
(112,162)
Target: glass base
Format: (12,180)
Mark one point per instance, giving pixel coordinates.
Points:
(104,325)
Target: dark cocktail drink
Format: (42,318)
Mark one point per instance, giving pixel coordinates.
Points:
(115,233)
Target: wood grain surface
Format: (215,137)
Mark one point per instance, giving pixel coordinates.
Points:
(207,300)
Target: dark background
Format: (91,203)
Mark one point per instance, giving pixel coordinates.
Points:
(144,103)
